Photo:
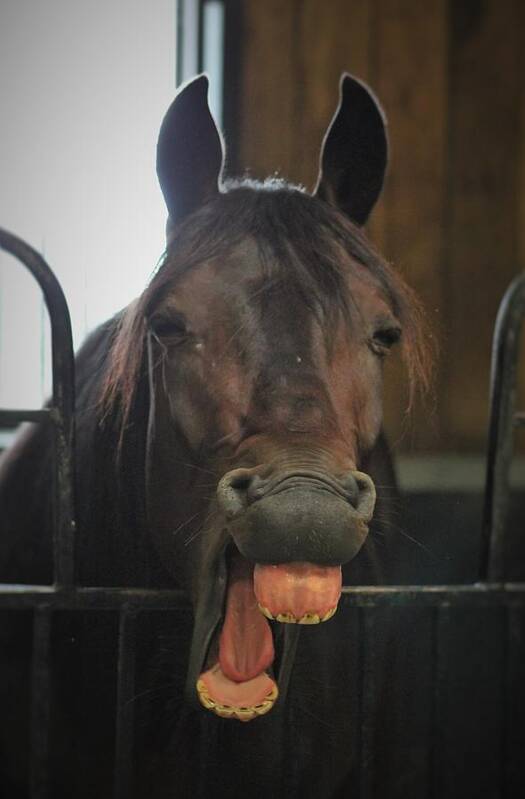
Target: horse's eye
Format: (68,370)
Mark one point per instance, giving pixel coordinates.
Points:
(169,327)
(384,339)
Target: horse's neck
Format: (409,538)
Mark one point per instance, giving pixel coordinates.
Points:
(26,489)
(113,546)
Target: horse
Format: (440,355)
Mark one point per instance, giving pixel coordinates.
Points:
(229,443)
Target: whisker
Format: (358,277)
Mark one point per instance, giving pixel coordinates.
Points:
(420,545)
(156,689)
(193,537)
(317,718)
(199,530)
(194,466)
(184,524)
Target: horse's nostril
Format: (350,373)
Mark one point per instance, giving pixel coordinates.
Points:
(240,483)
(350,487)
(366,499)
(232,491)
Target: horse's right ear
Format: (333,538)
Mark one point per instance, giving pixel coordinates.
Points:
(189,152)
(354,153)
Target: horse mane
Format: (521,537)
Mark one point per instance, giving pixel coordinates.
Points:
(305,237)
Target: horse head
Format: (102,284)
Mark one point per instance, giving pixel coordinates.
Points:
(264,332)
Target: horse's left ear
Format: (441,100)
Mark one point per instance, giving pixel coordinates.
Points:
(354,153)
(189,152)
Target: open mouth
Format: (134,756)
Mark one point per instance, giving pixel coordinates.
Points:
(287,539)
(238,680)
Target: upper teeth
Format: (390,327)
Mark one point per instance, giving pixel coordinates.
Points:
(290,618)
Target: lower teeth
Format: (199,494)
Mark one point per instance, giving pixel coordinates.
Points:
(290,618)
(240,713)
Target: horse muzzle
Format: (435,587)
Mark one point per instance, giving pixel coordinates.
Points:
(297,516)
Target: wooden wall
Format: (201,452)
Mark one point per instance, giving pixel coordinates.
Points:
(450,75)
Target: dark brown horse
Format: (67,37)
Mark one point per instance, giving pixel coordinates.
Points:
(229,439)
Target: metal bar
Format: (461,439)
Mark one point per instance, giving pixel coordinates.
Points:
(22,596)
(29,596)
(212,14)
(367,699)
(507,696)
(63,399)
(431,595)
(125,727)
(514,710)
(500,441)
(40,703)
(188,39)
(11,418)
(439,621)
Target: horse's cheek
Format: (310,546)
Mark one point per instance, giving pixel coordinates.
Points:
(360,401)
(183,408)
(190,407)
(369,409)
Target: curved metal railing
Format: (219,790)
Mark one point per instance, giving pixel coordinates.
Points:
(60,411)
(503,421)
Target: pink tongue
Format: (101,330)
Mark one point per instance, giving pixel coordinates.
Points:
(297,588)
(246,643)
(239,679)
